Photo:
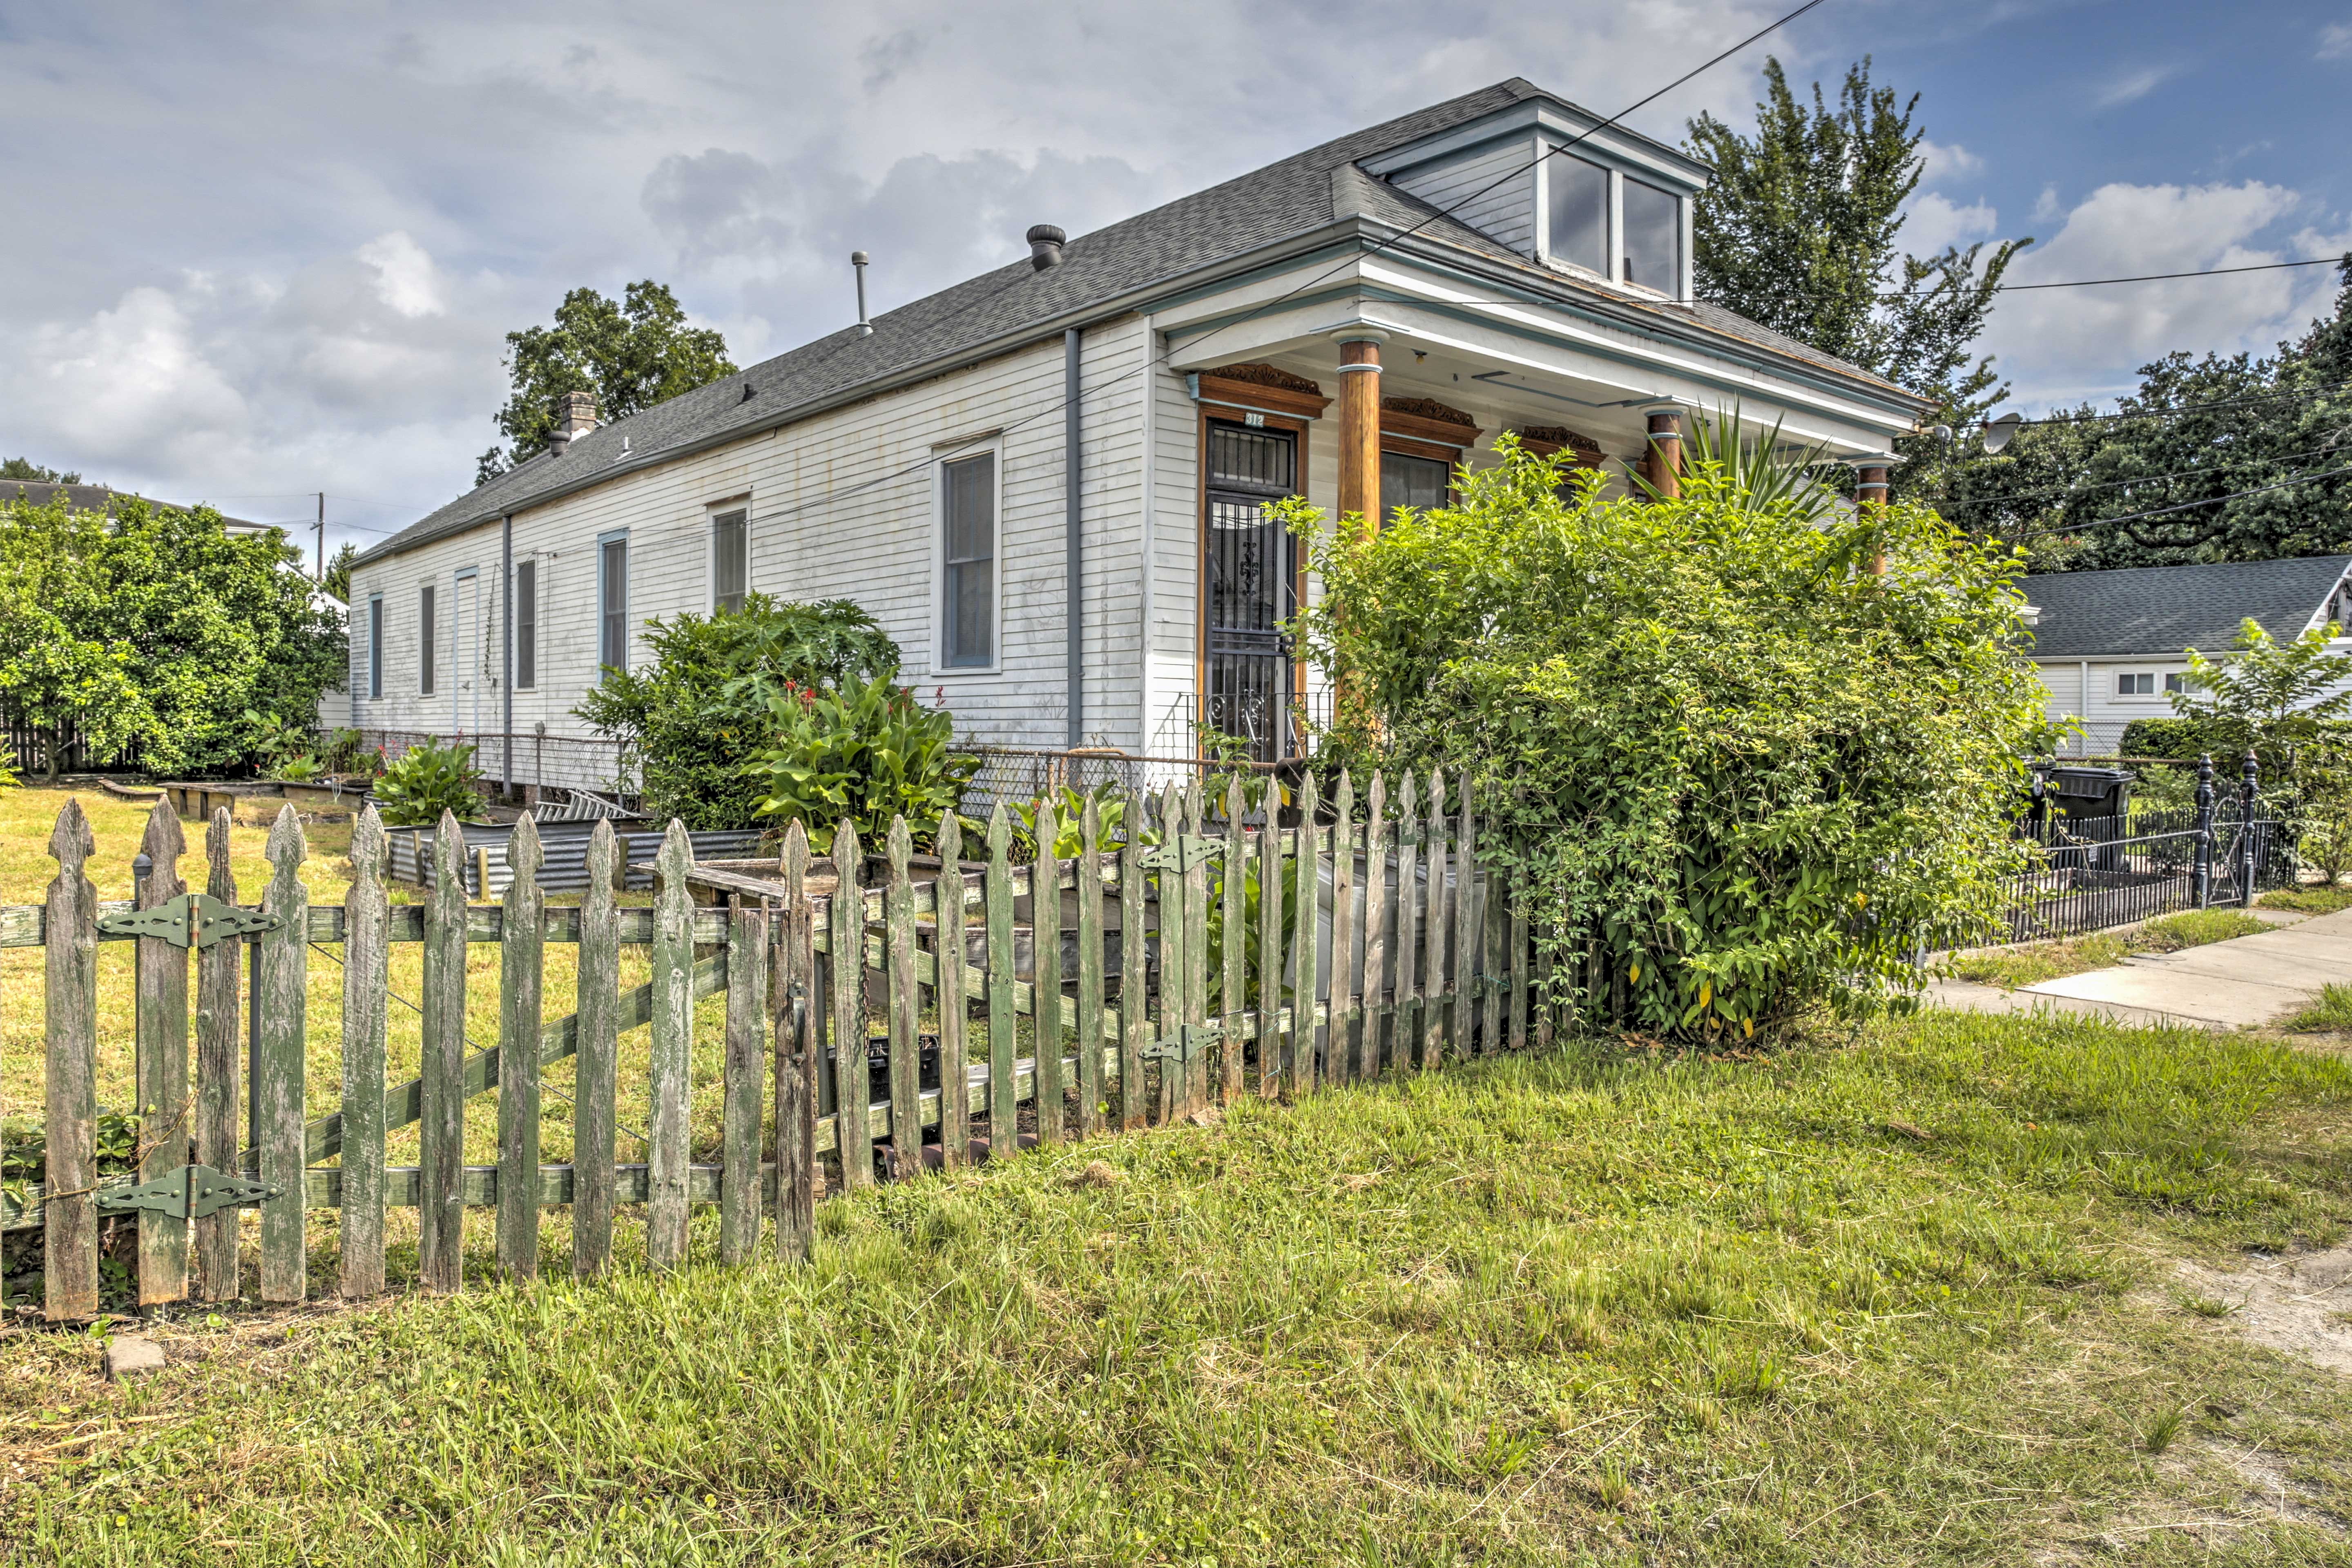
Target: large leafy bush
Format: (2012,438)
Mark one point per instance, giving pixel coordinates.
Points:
(866,750)
(697,719)
(156,627)
(426,781)
(1747,774)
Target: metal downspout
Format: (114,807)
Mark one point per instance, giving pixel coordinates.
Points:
(506,623)
(1074,542)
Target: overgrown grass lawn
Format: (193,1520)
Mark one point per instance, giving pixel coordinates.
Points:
(1899,1300)
(2017,966)
(2311,898)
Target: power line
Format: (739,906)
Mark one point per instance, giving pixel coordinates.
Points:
(2137,278)
(2073,491)
(2210,501)
(1059,404)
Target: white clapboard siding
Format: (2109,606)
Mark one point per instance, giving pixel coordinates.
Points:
(1507,212)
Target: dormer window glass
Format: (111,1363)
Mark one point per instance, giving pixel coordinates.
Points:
(1653,237)
(1579,211)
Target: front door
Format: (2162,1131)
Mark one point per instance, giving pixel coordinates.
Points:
(466,656)
(1250,574)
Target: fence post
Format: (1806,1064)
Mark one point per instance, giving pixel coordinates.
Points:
(1090,972)
(670,1072)
(162,1036)
(949,947)
(1339,1064)
(906,1005)
(797,1055)
(1045,965)
(366,961)
(216,1073)
(747,938)
(1405,1027)
(2204,829)
(70,1215)
(441,1088)
(521,963)
(1306,869)
(279,1008)
(1233,966)
(1004,1094)
(1435,971)
(1134,978)
(853,1140)
(1270,1069)
(595,1079)
(2246,860)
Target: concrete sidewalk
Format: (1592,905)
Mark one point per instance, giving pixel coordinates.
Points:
(2236,984)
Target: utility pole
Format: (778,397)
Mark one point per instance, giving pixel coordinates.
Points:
(322,538)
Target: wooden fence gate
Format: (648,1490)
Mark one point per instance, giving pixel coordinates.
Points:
(1159,956)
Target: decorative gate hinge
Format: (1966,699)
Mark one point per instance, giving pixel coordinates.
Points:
(192,919)
(192,1192)
(1187,1042)
(1185,853)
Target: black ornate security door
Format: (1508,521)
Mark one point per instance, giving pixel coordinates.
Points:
(1250,569)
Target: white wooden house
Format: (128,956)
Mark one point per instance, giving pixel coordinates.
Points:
(1046,482)
(2112,646)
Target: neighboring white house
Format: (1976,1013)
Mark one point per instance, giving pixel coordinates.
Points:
(1198,359)
(2111,646)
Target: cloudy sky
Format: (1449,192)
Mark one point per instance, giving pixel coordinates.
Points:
(258,250)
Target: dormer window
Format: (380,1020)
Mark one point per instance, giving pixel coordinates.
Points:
(1579,211)
(1654,238)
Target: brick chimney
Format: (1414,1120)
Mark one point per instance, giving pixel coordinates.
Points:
(575,415)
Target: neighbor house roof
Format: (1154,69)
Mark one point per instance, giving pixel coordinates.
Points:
(987,314)
(98,498)
(2162,610)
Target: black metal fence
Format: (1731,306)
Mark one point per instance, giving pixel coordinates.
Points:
(2090,874)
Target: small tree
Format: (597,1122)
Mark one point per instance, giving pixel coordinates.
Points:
(2273,699)
(1718,757)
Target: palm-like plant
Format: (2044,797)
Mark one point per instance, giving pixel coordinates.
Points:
(1762,471)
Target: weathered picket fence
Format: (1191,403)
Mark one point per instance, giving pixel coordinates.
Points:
(1186,956)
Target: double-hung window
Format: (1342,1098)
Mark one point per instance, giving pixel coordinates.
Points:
(1653,237)
(425,633)
(1579,200)
(1418,482)
(612,602)
(526,624)
(967,562)
(730,559)
(2135,684)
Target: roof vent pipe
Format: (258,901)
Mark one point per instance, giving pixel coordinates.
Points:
(1045,244)
(857,261)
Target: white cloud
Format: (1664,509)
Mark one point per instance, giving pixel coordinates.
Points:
(407,280)
(1930,223)
(2133,83)
(1944,162)
(2335,41)
(2063,343)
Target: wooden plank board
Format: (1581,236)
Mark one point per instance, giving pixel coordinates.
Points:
(1376,1010)
(441,1131)
(1521,968)
(1134,1025)
(520,977)
(1341,1061)
(160,1026)
(70,993)
(1045,942)
(1273,1065)
(214,1121)
(1088,1046)
(1467,947)
(846,984)
(1404,1026)
(280,1011)
(1004,1114)
(1233,979)
(1305,943)
(1175,927)
(1198,1064)
(949,993)
(742,1079)
(1436,974)
(670,1072)
(596,1080)
(798,1055)
(905,1010)
(366,994)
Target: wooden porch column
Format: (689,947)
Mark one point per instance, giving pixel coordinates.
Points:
(1359,428)
(1665,458)
(1870,490)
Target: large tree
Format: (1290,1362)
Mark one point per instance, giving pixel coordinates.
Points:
(632,352)
(24,469)
(1798,231)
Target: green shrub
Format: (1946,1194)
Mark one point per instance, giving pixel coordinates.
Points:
(426,781)
(696,721)
(865,751)
(1704,735)
(2163,738)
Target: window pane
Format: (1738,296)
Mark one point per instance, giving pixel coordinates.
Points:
(1579,211)
(730,560)
(425,640)
(1258,461)
(968,504)
(613,643)
(526,621)
(1411,481)
(1653,237)
(375,648)
(2173,683)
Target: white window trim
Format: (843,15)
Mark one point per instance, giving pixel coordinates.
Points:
(596,643)
(941,669)
(712,512)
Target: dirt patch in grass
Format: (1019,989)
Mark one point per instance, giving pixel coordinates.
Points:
(2299,1304)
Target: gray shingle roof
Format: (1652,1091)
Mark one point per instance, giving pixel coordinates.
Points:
(2160,610)
(98,497)
(1293,197)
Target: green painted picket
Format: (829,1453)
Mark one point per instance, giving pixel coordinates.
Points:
(1190,950)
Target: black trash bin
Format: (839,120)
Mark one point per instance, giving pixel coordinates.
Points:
(2083,793)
